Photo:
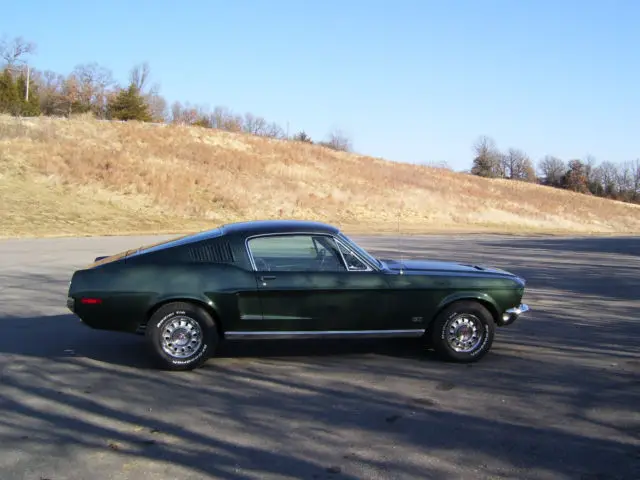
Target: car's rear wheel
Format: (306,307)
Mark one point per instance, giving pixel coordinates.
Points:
(181,336)
(463,332)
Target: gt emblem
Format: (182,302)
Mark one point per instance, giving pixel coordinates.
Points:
(416,319)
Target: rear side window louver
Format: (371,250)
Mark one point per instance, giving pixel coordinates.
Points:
(212,253)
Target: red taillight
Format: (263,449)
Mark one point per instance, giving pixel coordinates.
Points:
(91,301)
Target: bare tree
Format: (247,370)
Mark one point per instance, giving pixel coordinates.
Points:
(183,114)
(259,126)
(517,165)
(254,125)
(176,112)
(224,119)
(635,176)
(590,164)
(50,89)
(337,140)
(191,116)
(624,177)
(273,130)
(608,174)
(139,75)
(188,114)
(71,96)
(552,170)
(94,83)
(13,50)
(157,106)
(442,165)
(625,180)
(219,117)
(485,145)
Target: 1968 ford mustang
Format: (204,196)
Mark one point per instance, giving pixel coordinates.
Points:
(289,279)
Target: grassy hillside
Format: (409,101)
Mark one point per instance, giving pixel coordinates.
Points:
(83,176)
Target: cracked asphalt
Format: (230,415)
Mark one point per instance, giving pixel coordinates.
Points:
(557,398)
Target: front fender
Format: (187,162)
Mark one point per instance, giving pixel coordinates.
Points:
(482,297)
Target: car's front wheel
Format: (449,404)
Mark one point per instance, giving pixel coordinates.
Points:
(181,336)
(463,332)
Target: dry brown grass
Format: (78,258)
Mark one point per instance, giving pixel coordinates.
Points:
(83,176)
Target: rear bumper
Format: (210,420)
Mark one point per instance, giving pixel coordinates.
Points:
(512,314)
(71,304)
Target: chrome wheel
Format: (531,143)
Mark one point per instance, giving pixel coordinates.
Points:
(464,333)
(181,337)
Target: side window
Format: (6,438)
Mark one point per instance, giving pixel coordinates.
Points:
(353,263)
(295,253)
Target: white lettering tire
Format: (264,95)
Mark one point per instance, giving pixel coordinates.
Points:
(463,332)
(181,336)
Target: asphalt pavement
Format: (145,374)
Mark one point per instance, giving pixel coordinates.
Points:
(558,397)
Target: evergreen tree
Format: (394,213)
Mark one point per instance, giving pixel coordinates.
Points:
(129,105)
(485,166)
(9,96)
(302,137)
(31,107)
(487,162)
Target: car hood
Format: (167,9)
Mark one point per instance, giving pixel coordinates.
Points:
(440,266)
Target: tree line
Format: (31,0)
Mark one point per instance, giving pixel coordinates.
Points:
(618,181)
(91,88)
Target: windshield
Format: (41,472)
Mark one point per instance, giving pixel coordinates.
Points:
(361,251)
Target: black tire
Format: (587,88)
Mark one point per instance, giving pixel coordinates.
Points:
(472,315)
(194,324)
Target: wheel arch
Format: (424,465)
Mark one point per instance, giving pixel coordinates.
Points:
(482,298)
(207,305)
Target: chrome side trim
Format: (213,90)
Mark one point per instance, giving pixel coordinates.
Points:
(354,253)
(272,317)
(280,334)
(360,252)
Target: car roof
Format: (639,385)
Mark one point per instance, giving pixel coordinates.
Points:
(257,227)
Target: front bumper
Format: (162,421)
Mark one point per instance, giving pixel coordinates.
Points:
(512,314)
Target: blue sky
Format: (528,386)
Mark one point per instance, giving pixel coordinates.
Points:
(414,81)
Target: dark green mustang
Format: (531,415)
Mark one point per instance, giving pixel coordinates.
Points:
(289,279)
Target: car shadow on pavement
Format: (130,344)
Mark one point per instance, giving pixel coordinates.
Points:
(308,417)
(60,336)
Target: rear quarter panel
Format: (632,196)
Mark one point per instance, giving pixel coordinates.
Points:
(130,290)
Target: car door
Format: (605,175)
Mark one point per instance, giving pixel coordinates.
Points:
(305,286)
